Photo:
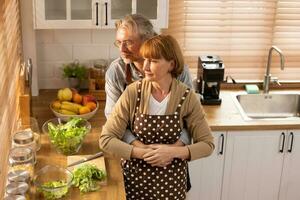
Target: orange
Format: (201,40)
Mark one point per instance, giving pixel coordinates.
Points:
(91,105)
(84,110)
(77,98)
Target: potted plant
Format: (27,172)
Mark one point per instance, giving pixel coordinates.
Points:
(75,72)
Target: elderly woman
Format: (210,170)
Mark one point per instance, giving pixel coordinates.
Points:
(156,109)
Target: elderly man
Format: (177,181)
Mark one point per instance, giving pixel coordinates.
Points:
(132,31)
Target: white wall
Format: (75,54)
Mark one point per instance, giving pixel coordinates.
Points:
(55,47)
(29,41)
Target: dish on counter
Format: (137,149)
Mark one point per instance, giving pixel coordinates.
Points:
(53,182)
(67,116)
(67,137)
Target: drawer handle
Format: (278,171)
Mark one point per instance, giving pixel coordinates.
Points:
(282,144)
(97,13)
(292,142)
(222,145)
(106,13)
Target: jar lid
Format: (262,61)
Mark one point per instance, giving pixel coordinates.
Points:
(17,188)
(15,197)
(23,137)
(100,64)
(21,154)
(18,176)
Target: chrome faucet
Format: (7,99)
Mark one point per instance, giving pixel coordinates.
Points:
(268,77)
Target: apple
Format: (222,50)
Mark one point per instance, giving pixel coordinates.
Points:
(77,98)
(64,94)
(88,98)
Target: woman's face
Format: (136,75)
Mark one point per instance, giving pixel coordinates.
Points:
(157,69)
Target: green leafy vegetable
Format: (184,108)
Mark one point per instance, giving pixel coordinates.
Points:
(54,190)
(86,177)
(75,70)
(67,137)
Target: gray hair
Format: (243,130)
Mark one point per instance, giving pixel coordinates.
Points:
(137,23)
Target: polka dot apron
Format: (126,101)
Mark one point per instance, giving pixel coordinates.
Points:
(142,181)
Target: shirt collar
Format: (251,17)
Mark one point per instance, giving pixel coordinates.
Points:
(136,74)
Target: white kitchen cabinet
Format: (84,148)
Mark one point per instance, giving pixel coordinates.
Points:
(257,165)
(50,14)
(155,10)
(206,174)
(93,14)
(253,165)
(290,182)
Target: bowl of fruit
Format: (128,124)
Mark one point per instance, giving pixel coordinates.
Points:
(70,103)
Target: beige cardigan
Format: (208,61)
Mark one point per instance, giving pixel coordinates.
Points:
(191,115)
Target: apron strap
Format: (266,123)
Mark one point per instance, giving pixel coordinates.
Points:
(139,94)
(182,100)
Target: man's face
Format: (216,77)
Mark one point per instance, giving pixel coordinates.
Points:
(129,44)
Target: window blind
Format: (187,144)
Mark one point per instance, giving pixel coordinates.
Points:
(10,59)
(241,33)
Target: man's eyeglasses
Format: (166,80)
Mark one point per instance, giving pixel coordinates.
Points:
(127,43)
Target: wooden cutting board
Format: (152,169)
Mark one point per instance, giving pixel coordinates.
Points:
(99,162)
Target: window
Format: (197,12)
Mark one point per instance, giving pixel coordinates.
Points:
(241,33)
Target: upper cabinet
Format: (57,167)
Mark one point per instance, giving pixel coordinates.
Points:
(93,14)
(155,10)
(50,14)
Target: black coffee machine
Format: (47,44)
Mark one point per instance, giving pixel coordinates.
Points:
(209,77)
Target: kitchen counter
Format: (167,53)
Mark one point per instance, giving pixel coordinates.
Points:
(226,116)
(47,155)
(222,117)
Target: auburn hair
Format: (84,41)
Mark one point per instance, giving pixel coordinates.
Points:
(164,46)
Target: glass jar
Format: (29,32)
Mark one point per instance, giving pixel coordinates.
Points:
(18,176)
(15,197)
(25,138)
(31,124)
(98,73)
(100,64)
(17,188)
(21,158)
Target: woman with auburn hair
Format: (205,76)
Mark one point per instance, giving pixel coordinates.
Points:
(156,109)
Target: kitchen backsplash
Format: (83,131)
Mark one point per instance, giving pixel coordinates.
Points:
(56,47)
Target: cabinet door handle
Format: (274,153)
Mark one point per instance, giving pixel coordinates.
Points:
(292,142)
(97,13)
(282,144)
(222,144)
(106,14)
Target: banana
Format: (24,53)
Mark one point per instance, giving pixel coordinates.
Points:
(70,108)
(78,106)
(66,112)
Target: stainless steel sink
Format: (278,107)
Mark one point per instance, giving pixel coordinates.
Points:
(268,106)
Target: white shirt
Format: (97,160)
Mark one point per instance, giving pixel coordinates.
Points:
(158,108)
